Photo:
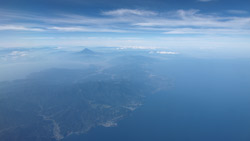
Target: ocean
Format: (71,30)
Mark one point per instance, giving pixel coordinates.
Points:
(209,101)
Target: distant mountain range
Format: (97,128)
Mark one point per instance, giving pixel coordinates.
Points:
(56,103)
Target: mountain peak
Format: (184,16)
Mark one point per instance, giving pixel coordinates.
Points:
(87,51)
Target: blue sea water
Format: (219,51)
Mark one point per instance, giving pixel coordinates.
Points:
(209,101)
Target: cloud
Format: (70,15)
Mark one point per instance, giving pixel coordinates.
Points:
(237,11)
(14,55)
(191,21)
(204,0)
(207,31)
(166,52)
(122,12)
(19,28)
(132,21)
(18,53)
(83,29)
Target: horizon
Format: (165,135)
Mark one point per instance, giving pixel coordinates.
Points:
(203,26)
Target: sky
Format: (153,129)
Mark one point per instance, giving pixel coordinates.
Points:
(182,25)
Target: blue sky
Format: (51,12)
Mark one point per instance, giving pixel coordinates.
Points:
(170,24)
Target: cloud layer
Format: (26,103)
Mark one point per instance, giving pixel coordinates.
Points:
(205,0)
(178,30)
(131,20)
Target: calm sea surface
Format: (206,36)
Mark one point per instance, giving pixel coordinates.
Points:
(210,101)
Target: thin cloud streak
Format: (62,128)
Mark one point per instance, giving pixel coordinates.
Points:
(237,11)
(132,21)
(122,12)
(204,0)
(19,28)
(84,29)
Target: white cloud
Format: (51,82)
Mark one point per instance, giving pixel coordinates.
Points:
(204,0)
(211,30)
(207,31)
(18,53)
(237,11)
(15,55)
(166,52)
(20,28)
(191,21)
(83,29)
(136,47)
(122,12)
(134,20)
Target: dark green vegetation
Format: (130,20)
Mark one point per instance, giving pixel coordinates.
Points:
(56,103)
